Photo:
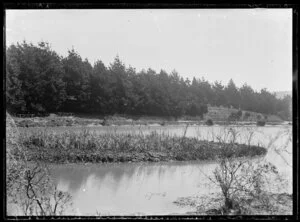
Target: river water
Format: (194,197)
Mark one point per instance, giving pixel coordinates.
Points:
(151,188)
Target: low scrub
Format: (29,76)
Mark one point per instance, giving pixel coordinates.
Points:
(209,122)
(261,123)
(91,147)
(30,189)
(235,116)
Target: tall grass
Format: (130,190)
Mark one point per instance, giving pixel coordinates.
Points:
(87,146)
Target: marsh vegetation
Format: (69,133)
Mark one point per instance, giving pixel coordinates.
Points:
(85,146)
(229,161)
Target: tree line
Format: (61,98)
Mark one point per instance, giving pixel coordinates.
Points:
(40,80)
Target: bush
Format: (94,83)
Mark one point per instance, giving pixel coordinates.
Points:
(247,115)
(241,183)
(30,187)
(239,114)
(105,122)
(209,122)
(235,116)
(261,123)
(163,123)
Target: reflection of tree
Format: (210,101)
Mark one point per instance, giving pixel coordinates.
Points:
(119,174)
(76,176)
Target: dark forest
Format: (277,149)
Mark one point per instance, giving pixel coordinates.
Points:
(38,80)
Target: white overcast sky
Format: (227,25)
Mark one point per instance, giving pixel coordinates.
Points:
(247,45)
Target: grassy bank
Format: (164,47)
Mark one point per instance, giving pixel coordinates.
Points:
(271,204)
(71,147)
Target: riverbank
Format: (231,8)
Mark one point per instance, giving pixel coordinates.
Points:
(85,147)
(271,204)
(57,121)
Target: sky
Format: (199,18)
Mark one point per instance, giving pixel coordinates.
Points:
(252,46)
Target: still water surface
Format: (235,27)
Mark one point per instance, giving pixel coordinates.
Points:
(151,188)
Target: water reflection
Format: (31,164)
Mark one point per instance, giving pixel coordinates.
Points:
(130,188)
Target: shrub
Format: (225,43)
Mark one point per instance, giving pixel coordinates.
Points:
(30,186)
(247,115)
(235,115)
(239,114)
(241,181)
(261,123)
(197,110)
(105,122)
(209,122)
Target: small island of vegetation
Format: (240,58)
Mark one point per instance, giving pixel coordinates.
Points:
(88,147)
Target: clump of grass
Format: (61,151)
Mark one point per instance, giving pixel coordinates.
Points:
(87,146)
(163,123)
(261,123)
(209,122)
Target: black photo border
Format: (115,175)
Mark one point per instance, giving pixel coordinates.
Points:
(38,5)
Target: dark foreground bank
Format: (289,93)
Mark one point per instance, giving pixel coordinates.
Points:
(271,204)
(83,147)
